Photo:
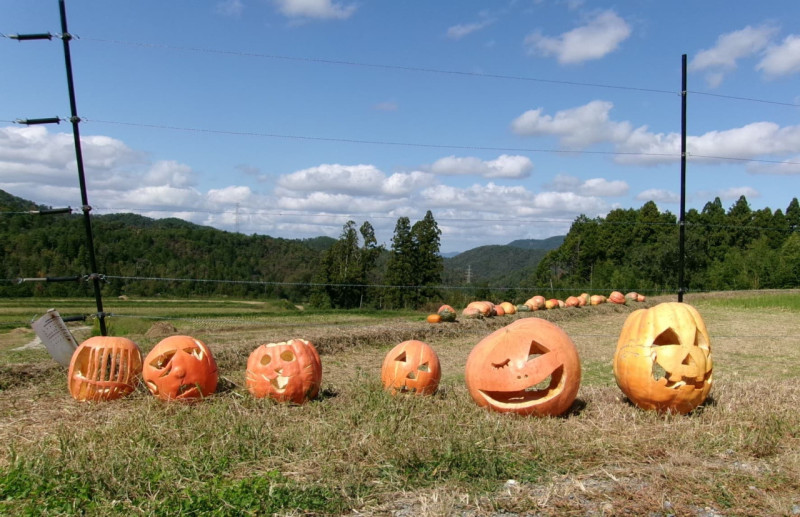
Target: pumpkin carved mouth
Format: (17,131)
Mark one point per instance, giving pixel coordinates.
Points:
(553,385)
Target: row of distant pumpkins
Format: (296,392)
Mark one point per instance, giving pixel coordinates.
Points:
(486,309)
(662,362)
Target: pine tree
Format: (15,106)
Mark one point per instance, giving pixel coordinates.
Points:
(400,267)
(429,265)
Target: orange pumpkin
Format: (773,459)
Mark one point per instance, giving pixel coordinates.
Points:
(411,367)
(486,308)
(616,297)
(509,308)
(632,296)
(640,298)
(572,301)
(552,303)
(535,302)
(290,371)
(499,310)
(447,313)
(583,299)
(528,367)
(104,368)
(597,299)
(180,368)
(433,318)
(663,358)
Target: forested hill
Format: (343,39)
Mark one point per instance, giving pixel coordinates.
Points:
(494,265)
(129,245)
(634,249)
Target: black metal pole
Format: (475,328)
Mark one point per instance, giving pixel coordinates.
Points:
(682,235)
(66,37)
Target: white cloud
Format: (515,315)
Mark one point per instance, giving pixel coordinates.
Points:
(783,59)
(576,127)
(729,193)
(457,32)
(405,183)
(349,179)
(319,9)
(600,36)
(600,187)
(730,48)
(504,166)
(230,7)
(790,166)
(658,195)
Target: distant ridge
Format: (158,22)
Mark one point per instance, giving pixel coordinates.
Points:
(547,244)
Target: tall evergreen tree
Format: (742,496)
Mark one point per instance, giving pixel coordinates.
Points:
(400,267)
(428,263)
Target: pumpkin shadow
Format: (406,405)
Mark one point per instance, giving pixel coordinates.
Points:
(710,401)
(326,393)
(577,407)
(225,385)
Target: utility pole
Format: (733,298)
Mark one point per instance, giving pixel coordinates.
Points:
(75,120)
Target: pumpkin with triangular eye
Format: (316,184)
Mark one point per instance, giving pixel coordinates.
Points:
(180,368)
(290,371)
(104,368)
(528,367)
(663,358)
(411,367)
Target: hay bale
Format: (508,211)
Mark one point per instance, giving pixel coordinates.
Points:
(161,329)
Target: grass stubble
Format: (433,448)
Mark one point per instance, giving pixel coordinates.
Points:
(356,450)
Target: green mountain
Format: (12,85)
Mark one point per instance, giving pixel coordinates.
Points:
(495,265)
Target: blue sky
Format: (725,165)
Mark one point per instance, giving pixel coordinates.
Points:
(507,119)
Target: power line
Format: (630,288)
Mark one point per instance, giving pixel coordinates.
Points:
(428,70)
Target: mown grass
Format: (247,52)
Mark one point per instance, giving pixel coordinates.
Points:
(356,448)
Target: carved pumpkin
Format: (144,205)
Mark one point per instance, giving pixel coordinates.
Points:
(411,367)
(180,368)
(663,358)
(447,313)
(104,368)
(286,372)
(433,318)
(528,367)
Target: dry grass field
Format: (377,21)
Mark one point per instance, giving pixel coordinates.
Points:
(357,451)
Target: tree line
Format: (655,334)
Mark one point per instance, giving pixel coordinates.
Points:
(638,249)
(634,249)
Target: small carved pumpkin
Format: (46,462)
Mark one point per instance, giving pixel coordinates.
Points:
(663,358)
(180,368)
(104,368)
(285,372)
(412,366)
(528,367)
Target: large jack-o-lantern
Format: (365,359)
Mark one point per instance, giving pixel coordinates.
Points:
(411,367)
(104,368)
(286,372)
(180,368)
(528,367)
(663,358)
